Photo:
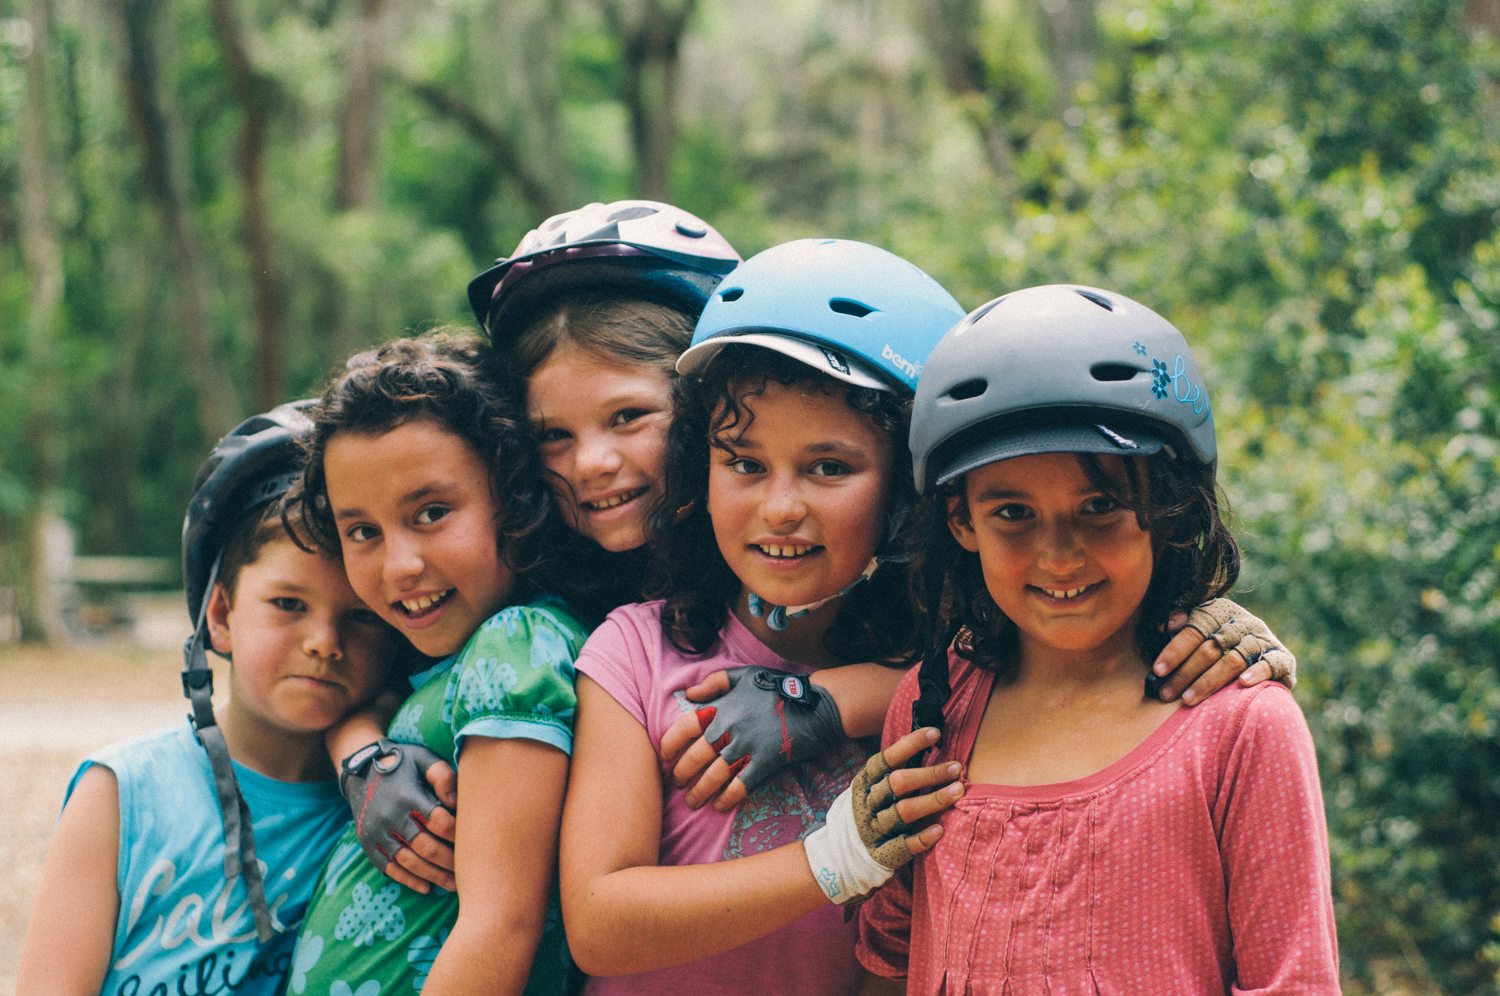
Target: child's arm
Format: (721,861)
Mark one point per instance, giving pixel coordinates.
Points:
(72,931)
(624,913)
(508,831)
(1274,845)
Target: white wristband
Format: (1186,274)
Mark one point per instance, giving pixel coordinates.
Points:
(839,860)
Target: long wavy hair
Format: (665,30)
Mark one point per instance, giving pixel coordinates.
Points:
(1194,556)
(618,329)
(445,376)
(877,620)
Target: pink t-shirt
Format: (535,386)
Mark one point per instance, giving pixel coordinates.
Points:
(1197,863)
(632,660)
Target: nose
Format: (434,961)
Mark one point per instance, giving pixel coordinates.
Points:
(403,562)
(324,638)
(597,456)
(1061,553)
(784,507)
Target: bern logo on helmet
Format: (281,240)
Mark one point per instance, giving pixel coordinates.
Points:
(905,366)
(835,360)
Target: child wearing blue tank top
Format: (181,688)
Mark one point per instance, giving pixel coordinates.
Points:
(137,897)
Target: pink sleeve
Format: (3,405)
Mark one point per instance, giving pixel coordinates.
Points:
(1274,841)
(885,928)
(616,657)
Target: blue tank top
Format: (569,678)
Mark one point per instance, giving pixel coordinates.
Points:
(180,932)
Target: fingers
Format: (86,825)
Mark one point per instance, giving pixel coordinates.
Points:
(1228,667)
(396,873)
(1258,672)
(1176,621)
(1179,649)
(709,688)
(431,849)
(681,734)
(695,762)
(715,778)
(732,796)
(910,746)
(442,824)
(444,781)
(905,781)
(1204,656)
(918,842)
(422,870)
(920,806)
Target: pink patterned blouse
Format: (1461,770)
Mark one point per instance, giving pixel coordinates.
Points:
(1197,863)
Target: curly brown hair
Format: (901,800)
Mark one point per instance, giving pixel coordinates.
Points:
(877,620)
(1194,556)
(446,376)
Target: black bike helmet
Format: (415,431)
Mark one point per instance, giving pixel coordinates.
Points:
(254,465)
(647,248)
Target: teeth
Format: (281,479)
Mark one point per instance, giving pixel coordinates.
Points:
(1069,593)
(416,605)
(603,503)
(785,551)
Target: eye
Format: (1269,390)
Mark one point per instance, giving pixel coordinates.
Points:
(361,533)
(430,514)
(627,415)
(827,468)
(288,604)
(1012,512)
(553,435)
(745,465)
(1100,505)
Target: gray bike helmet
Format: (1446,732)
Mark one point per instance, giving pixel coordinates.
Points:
(648,248)
(1055,369)
(254,465)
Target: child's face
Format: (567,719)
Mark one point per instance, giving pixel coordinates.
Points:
(603,431)
(1065,562)
(799,503)
(306,647)
(416,522)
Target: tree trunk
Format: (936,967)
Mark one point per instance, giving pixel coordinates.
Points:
(40,610)
(1073,35)
(247,90)
(359,127)
(650,35)
(165,180)
(952,31)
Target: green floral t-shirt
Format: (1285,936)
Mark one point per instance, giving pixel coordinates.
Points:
(365,935)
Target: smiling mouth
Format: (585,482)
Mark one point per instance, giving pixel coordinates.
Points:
(620,499)
(785,552)
(415,608)
(1066,593)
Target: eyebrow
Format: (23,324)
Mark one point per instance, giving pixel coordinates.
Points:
(426,490)
(625,397)
(999,494)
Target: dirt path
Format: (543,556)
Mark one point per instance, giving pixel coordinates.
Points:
(56,707)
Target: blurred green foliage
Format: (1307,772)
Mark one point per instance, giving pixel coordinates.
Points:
(1310,191)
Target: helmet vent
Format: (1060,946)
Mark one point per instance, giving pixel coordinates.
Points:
(846,307)
(983,309)
(630,214)
(968,389)
(1102,302)
(1114,371)
(732,294)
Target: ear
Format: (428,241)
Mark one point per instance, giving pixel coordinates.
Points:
(960,525)
(218,620)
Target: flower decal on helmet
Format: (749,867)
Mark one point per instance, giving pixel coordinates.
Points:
(1160,378)
(1139,347)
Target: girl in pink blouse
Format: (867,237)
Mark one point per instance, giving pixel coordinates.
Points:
(1106,842)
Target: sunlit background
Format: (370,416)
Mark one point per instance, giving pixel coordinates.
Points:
(207,204)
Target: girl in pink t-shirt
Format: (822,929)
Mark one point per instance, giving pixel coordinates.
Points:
(1107,842)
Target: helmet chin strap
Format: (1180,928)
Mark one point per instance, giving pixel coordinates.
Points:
(778,617)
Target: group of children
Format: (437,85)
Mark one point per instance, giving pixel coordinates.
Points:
(607,623)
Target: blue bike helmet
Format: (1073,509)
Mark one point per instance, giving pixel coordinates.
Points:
(847,309)
(643,248)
